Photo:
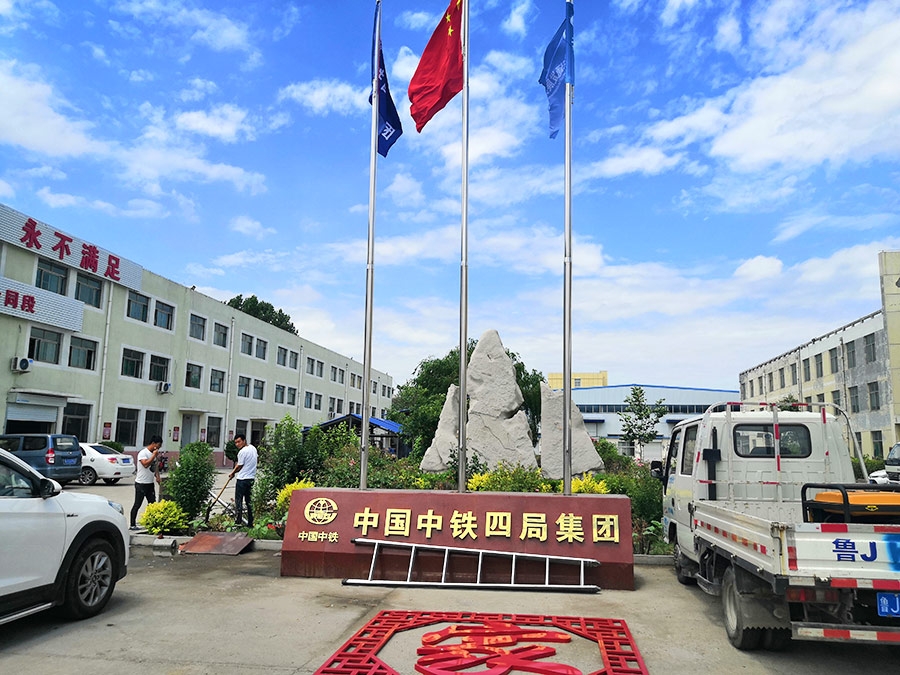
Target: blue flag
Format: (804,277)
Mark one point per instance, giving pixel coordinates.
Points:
(389,127)
(559,68)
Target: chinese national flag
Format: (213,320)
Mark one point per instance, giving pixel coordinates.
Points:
(439,75)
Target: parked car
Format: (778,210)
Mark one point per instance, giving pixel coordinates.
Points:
(99,461)
(60,549)
(55,456)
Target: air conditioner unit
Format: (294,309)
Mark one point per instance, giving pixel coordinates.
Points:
(331,415)
(164,387)
(21,364)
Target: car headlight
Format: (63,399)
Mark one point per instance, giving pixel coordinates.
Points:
(117,507)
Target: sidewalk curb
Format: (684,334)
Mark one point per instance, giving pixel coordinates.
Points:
(153,540)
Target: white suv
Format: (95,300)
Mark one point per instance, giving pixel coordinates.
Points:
(58,549)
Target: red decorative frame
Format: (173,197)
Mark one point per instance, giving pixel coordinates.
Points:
(359,655)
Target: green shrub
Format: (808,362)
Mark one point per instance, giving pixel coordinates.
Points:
(118,447)
(872,464)
(283,501)
(191,479)
(589,484)
(613,460)
(509,478)
(164,517)
(231,451)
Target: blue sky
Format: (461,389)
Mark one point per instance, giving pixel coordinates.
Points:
(736,169)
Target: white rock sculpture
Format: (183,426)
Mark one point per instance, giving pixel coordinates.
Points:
(584,454)
(446,438)
(491,379)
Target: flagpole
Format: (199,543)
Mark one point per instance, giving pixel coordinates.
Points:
(464,256)
(370,258)
(567,290)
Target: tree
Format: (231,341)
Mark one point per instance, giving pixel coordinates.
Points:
(417,405)
(264,311)
(787,403)
(639,419)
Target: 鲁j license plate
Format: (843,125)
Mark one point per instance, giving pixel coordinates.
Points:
(69,461)
(888,604)
(126,460)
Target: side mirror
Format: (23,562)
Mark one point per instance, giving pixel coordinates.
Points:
(656,469)
(49,488)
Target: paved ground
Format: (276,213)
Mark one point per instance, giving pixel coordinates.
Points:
(196,614)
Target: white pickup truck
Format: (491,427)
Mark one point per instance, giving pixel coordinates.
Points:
(763,509)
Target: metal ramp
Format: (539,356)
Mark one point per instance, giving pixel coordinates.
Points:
(450,553)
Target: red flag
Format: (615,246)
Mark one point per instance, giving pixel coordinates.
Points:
(439,75)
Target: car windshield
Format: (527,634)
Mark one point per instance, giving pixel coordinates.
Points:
(103,450)
(894,454)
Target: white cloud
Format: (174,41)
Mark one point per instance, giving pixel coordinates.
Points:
(250,227)
(199,89)
(325,96)
(141,76)
(97,52)
(674,8)
(6,190)
(203,272)
(728,33)
(289,19)
(796,225)
(43,171)
(417,20)
(405,190)
(625,160)
(136,208)
(758,269)
(514,23)
(224,122)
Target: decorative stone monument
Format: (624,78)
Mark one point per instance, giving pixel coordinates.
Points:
(496,430)
(584,454)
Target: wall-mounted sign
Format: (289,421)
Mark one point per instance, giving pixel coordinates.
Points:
(176,433)
(35,304)
(107,431)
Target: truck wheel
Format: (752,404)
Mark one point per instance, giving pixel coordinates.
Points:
(90,580)
(683,578)
(740,636)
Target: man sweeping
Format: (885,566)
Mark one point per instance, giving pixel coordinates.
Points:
(245,472)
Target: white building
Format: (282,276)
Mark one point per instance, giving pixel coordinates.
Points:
(856,366)
(600,407)
(96,346)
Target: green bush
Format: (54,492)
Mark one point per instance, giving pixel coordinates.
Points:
(613,460)
(508,478)
(118,447)
(231,451)
(645,493)
(191,479)
(283,501)
(164,517)
(872,464)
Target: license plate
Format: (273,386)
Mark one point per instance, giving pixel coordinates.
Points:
(888,604)
(126,460)
(69,461)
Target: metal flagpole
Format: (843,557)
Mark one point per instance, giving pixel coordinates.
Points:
(464,255)
(370,257)
(567,285)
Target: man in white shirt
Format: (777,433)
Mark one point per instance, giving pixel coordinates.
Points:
(245,470)
(147,473)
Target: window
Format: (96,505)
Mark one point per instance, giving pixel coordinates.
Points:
(246,344)
(77,420)
(87,289)
(259,389)
(385,393)
(374,387)
(340,406)
(318,402)
(243,387)
(833,360)
(820,398)
(291,396)
(293,360)
(758,440)
(771,381)
(334,373)
(216,381)
(281,356)
(310,365)
(198,327)
(341,374)
(806,373)
(877,445)
(214,431)
(854,399)
(577,382)
(373,412)
(751,388)
(240,427)
(51,277)
(126,426)
(836,397)
(261,346)
(307,400)
(193,374)
(781,378)
(82,353)
(850,347)
(793,373)
(154,425)
(874,396)
(331,404)
(320,367)
(870,347)
(159,368)
(279,393)
(132,363)
(353,380)
(138,306)
(220,335)
(820,369)
(164,316)
(759,381)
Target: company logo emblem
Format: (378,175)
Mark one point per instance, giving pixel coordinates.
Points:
(320,511)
